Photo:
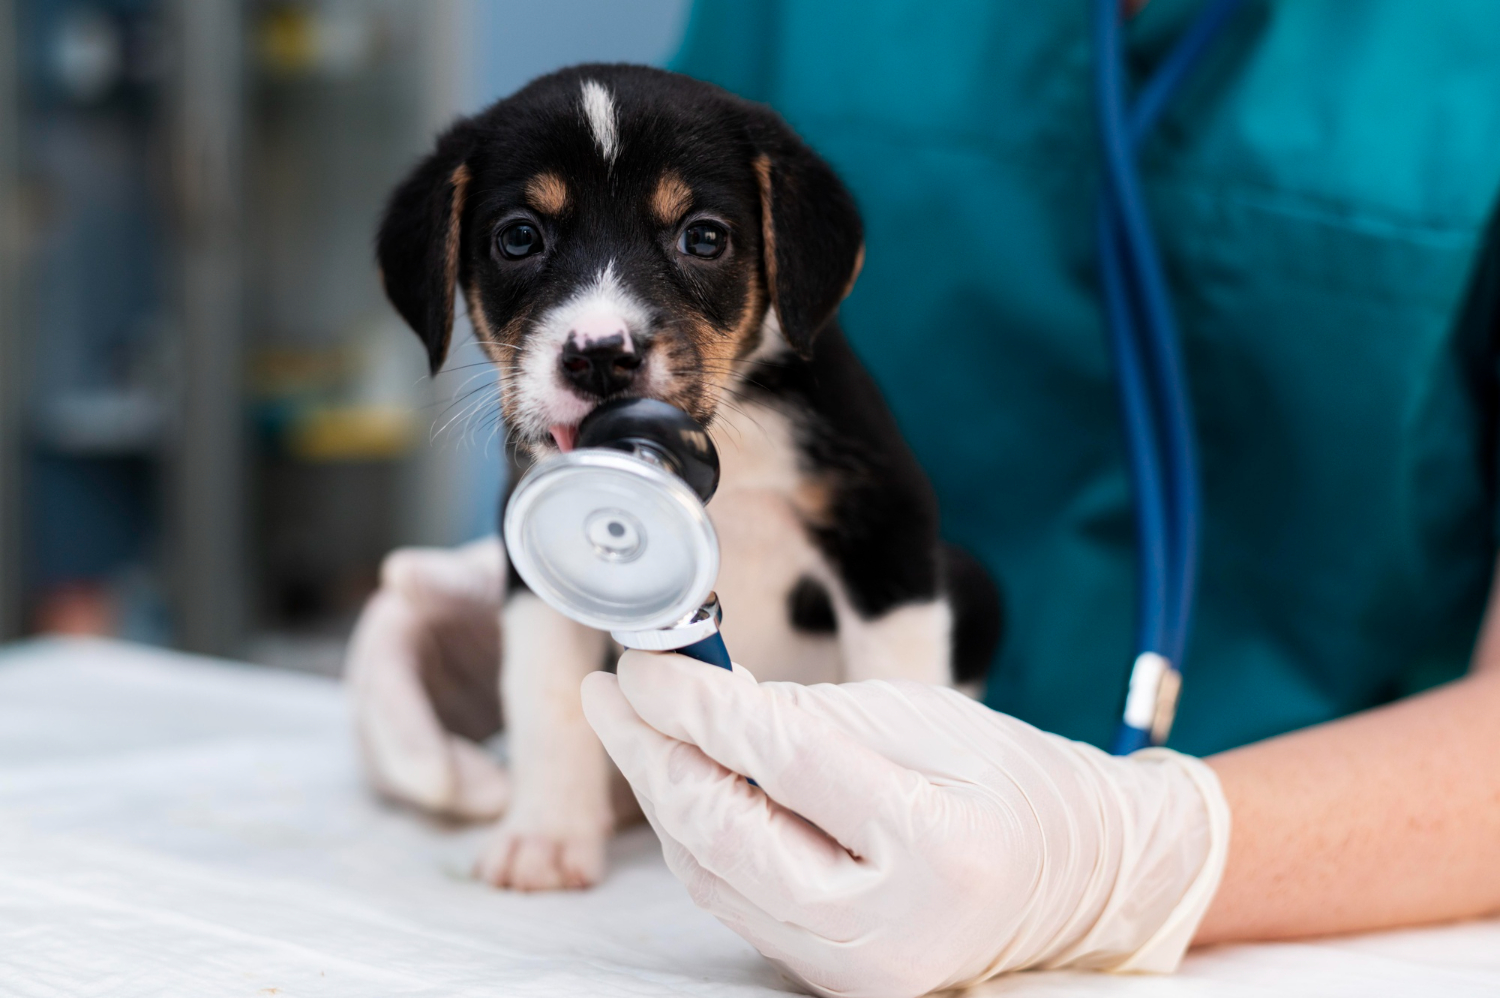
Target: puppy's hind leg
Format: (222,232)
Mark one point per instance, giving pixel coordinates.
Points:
(949,639)
(978,617)
(911,641)
(559,818)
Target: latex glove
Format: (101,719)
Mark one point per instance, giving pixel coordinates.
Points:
(423,667)
(952,843)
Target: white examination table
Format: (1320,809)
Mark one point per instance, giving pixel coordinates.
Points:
(179,826)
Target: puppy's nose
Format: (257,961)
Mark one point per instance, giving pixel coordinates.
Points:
(600,366)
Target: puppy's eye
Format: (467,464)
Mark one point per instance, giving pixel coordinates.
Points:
(705,240)
(518,240)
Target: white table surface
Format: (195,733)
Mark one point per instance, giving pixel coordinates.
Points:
(180,826)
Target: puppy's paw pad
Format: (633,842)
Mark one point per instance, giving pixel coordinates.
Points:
(538,861)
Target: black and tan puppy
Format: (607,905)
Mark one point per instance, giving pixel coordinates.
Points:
(623,231)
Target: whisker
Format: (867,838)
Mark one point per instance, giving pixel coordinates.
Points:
(456,368)
(455,400)
(476,419)
(484,394)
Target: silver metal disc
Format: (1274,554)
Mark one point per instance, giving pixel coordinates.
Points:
(612,541)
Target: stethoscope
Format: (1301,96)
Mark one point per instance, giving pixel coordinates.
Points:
(615,533)
(1155,409)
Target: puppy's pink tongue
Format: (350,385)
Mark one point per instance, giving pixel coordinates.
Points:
(564,436)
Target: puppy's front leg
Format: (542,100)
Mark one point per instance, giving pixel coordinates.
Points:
(559,818)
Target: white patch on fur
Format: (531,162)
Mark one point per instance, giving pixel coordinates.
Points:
(772,342)
(599,113)
(543,398)
(757,449)
(553,835)
(909,642)
(765,548)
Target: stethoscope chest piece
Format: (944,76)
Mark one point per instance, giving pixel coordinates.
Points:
(612,539)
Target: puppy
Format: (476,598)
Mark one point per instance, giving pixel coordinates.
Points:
(621,231)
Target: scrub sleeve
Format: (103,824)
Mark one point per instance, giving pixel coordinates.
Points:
(1322,190)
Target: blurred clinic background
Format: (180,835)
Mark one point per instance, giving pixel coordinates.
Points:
(212,427)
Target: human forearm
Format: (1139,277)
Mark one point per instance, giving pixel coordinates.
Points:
(1390,817)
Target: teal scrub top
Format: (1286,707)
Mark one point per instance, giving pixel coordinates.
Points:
(1321,189)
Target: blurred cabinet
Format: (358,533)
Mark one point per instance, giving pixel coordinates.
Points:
(212,426)
(11,370)
(337,111)
(208,417)
(88,357)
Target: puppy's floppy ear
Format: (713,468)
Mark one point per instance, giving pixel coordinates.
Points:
(419,239)
(811,234)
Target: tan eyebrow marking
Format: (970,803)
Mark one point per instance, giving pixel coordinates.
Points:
(762,166)
(670,199)
(859,264)
(547,193)
(459,178)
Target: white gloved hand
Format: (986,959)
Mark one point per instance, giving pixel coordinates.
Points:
(952,843)
(423,667)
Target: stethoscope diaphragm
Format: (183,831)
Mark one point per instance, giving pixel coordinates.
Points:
(614,541)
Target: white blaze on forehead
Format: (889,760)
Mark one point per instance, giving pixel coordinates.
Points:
(604,297)
(599,112)
(602,309)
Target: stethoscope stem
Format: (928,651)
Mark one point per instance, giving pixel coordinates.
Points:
(710,649)
(700,629)
(696,636)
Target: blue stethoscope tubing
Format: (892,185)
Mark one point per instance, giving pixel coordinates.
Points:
(1156,411)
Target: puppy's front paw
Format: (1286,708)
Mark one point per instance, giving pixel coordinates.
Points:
(527,859)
